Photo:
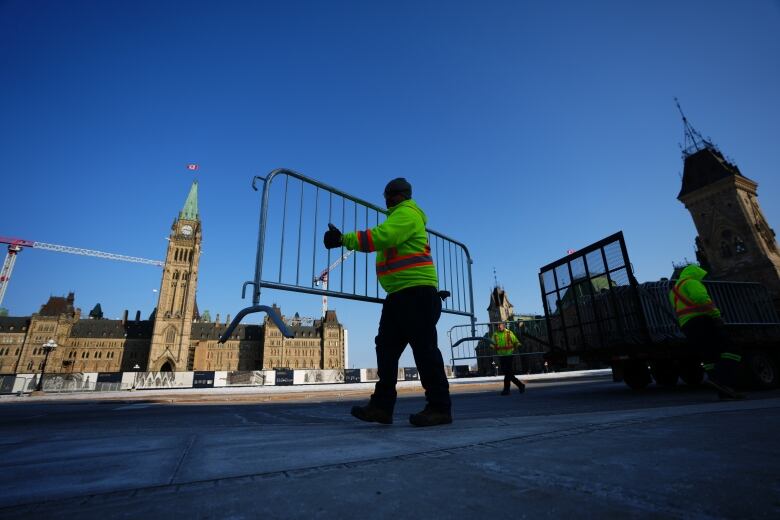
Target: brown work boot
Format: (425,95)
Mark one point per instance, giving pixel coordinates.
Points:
(725,393)
(431,417)
(371,413)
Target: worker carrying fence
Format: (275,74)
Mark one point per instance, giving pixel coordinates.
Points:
(702,325)
(405,269)
(505,342)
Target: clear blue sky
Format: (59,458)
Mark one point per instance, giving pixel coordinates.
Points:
(526,128)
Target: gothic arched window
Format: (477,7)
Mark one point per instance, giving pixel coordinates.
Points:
(725,249)
(170,335)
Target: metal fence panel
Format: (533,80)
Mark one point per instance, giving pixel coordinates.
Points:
(740,303)
(467,343)
(294,213)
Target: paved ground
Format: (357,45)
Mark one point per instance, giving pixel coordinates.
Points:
(583,447)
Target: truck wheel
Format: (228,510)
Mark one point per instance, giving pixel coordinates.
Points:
(665,373)
(692,373)
(636,375)
(762,369)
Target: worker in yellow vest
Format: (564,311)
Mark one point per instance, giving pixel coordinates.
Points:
(504,343)
(702,325)
(404,267)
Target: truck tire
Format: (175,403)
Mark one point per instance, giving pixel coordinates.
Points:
(636,375)
(762,370)
(665,373)
(692,373)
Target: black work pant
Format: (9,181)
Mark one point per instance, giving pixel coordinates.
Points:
(409,316)
(508,369)
(709,340)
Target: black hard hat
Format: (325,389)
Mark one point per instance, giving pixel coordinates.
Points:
(399,185)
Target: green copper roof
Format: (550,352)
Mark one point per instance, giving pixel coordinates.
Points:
(190,210)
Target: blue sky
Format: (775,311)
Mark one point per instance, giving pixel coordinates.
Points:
(526,129)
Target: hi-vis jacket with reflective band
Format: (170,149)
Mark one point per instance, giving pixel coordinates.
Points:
(689,297)
(505,342)
(403,257)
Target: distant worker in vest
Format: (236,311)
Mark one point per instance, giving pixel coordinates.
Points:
(505,343)
(702,325)
(404,267)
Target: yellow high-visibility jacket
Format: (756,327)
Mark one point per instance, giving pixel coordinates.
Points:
(403,255)
(690,298)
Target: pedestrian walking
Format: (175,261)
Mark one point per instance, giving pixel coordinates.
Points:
(505,342)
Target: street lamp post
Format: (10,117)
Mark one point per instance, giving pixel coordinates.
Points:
(47,348)
(136,368)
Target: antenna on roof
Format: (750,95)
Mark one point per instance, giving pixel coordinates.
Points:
(693,139)
(495,277)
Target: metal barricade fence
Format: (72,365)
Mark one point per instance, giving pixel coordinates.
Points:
(477,345)
(294,214)
(740,303)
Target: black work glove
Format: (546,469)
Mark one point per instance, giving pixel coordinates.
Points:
(332,237)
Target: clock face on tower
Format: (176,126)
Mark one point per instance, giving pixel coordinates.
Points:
(186,230)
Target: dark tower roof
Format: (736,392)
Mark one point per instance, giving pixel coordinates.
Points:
(704,164)
(497,297)
(58,305)
(96,313)
(704,167)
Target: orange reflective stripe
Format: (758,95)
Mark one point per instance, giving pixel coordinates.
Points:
(365,241)
(402,263)
(699,308)
(679,296)
(690,307)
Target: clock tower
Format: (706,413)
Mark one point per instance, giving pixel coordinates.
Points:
(169,351)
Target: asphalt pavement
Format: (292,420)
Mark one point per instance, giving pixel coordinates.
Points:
(577,446)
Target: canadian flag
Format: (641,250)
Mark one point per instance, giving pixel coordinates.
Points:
(192,167)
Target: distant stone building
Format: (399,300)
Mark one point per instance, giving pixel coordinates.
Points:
(173,338)
(734,240)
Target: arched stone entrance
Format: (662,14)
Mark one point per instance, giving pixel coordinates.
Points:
(166,367)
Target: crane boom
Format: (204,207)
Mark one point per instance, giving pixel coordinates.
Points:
(15,245)
(98,254)
(323,278)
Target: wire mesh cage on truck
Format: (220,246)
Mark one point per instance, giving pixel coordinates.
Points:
(294,213)
(590,301)
(597,314)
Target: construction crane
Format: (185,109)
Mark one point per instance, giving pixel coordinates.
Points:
(15,245)
(323,279)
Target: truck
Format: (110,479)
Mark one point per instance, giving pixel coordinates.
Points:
(598,315)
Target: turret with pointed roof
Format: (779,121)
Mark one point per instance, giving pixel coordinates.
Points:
(734,238)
